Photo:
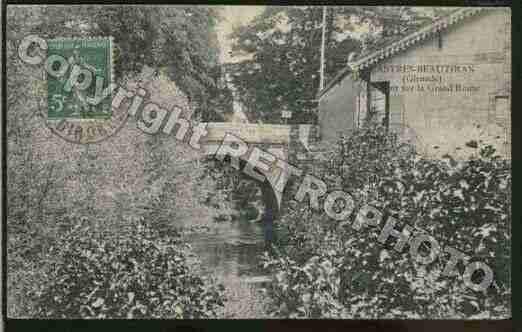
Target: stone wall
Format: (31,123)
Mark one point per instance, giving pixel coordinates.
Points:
(442,117)
(336,109)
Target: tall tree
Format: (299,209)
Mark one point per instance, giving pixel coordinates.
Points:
(178,39)
(284,42)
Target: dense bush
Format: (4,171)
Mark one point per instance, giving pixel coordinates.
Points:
(53,183)
(463,204)
(137,275)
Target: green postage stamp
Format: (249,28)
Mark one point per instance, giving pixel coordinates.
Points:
(82,70)
(80,89)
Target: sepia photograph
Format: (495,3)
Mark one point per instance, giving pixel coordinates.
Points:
(257,162)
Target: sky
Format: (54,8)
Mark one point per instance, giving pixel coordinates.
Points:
(232,16)
(242,15)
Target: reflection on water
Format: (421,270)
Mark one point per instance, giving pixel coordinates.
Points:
(229,252)
(229,249)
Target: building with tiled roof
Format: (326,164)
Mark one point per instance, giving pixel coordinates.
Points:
(440,87)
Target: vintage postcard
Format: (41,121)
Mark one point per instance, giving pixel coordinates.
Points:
(188,162)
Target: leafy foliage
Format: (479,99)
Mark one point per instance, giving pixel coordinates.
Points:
(53,184)
(284,70)
(239,196)
(388,24)
(139,275)
(284,45)
(178,39)
(462,204)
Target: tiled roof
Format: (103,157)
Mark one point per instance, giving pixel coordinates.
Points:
(413,38)
(404,43)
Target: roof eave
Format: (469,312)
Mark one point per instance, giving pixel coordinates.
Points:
(400,45)
(414,38)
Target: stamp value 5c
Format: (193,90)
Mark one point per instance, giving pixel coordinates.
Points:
(80,89)
(89,63)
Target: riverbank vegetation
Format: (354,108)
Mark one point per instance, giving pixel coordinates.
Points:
(93,230)
(97,231)
(325,268)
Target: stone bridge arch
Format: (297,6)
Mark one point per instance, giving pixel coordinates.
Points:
(270,197)
(274,139)
(290,144)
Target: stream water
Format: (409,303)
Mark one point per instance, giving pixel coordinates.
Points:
(229,248)
(229,252)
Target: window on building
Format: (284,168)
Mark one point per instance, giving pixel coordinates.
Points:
(376,111)
(380,101)
(501,108)
(502,118)
(360,115)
